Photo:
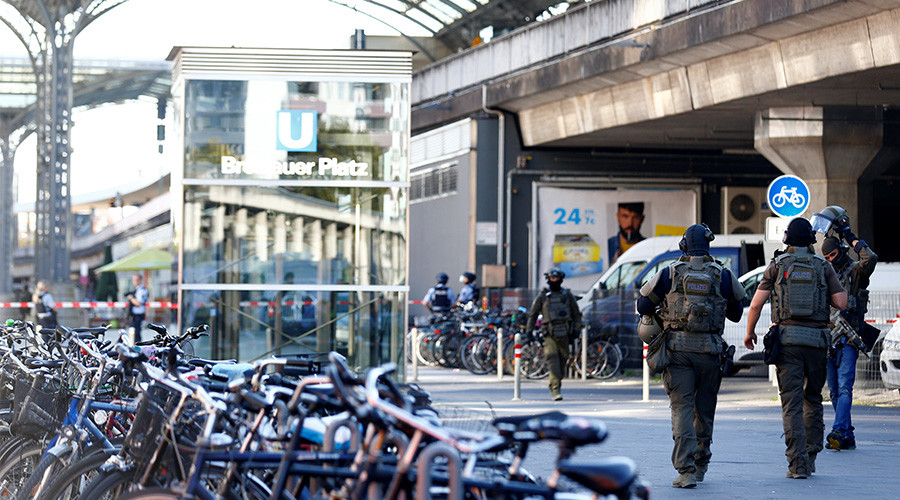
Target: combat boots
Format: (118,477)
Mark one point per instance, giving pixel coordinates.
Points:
(701,472)
(555,396)
(685,480)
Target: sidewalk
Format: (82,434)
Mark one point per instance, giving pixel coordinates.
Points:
(748,448)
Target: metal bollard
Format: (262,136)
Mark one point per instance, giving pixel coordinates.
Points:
(499,353)
(584,348)
(517,368)
(415,354)
(646,381)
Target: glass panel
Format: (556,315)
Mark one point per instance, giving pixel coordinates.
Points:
(309,235)
(367,327)
(624,274)
(655,269)
(295,130)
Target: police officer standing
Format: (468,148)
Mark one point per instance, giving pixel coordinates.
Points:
(693,296)
(854,276)
(561,318)
(801,284)
(440,297)
(470,291)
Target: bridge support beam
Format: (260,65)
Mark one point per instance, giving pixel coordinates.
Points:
(828,147)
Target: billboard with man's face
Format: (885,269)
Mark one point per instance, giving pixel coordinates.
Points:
(583,231)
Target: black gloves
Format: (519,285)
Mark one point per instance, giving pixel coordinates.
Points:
(848,235)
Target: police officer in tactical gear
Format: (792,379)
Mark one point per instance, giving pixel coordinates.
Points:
(693,297)
(801,285)
(470,291)
(440,297)
(841,363)
(561,319)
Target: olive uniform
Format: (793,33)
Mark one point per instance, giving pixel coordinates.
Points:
(801,284)
(561,318)
(694,295)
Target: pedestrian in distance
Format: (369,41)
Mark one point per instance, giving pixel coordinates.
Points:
(440,298)
(801,285)
(560,320)
(693,297)
(469,293)
(137,300)
(44,306)
(845,345)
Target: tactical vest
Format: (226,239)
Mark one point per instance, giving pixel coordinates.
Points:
(45,316)
(857,300)
(799,292)
(440,299)
(555,313)
(476,293)
(694,303)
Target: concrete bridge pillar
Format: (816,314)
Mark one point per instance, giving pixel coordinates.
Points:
(828,147)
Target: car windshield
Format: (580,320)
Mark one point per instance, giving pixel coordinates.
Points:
(655,269)
(624,274)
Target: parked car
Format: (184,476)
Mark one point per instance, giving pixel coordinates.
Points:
(608,306)
(890,357)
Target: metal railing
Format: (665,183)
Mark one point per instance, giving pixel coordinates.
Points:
(612,313)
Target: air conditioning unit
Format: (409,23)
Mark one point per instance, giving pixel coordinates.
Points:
(744,210)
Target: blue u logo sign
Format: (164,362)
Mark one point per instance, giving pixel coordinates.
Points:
(297,130)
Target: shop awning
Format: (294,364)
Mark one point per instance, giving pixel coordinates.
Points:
(143,260)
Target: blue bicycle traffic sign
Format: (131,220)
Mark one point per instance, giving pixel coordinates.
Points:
(788,196)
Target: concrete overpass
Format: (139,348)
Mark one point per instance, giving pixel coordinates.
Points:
(810,87)
(680,74)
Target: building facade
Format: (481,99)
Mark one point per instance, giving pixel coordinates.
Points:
(290,205)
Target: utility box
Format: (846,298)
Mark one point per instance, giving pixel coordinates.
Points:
(493,276)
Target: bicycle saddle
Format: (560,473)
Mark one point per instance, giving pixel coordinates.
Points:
(507,426)
(43,363)
(607,476)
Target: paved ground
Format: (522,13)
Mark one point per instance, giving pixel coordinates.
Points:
(748,448)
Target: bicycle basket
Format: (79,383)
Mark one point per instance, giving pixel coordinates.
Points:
(146,433)
(39,410)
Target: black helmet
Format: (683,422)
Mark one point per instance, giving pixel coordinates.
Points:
(467,277)
(696,240)
(442,278)
(799,233)
(555,273)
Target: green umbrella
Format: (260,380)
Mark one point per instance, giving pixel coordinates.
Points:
(107,288)
(143,260)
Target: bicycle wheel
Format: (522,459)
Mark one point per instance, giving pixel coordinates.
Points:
(108,485)
(18,467)
(468,354)
(609,359)
(73,479)
(44,468)
(152,494)
(484,356)
(533,362)
(450,350)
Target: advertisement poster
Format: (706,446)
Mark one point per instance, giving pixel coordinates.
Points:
(583,231)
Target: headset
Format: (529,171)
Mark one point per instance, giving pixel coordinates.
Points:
(812,232)
(707,234)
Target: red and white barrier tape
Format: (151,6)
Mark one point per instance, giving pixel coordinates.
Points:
(85,305)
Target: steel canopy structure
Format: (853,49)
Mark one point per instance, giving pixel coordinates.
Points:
(456,23)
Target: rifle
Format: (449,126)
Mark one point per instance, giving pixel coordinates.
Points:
(842,328)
